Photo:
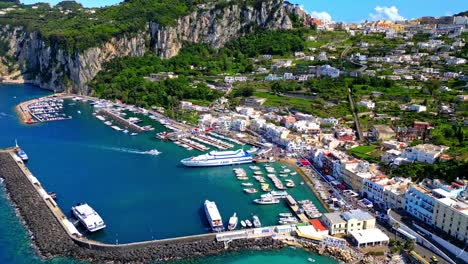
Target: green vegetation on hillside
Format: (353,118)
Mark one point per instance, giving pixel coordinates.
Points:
(123,78)
(85,28)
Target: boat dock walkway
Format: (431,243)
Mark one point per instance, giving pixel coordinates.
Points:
(295,208)
(226,138)
(121,121)
(193,144)
(212,142)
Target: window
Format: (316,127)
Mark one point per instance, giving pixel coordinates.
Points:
(358,224)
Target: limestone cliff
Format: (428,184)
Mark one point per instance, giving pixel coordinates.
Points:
(50,67)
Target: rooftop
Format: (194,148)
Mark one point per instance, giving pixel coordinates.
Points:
(357,214)
(318,225)
(458,205)
(334,218)
(369,236)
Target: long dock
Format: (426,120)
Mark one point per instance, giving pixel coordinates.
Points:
(295,208)
(211,142)
(122,121)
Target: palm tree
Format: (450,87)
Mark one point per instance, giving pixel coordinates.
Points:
(396,225)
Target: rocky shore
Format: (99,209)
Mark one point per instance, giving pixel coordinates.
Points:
(50,239)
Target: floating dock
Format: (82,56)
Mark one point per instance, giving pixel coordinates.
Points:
(295,208)
(121,121)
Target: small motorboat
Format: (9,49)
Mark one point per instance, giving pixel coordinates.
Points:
(285,214)
(153,152)
(250,190)
(248,223)
(243,224)
(247,184)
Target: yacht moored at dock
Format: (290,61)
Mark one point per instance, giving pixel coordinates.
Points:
(266,199)
(88,217)
(213,216)
(218,158)
(23,156)
(233,222)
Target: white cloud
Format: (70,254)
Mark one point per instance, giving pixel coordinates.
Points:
(321,15)
(386,13)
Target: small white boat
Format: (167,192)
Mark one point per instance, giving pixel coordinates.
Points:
(153,152)
(256,221)
(243,224)
(285,214)
(133,134)
(233,222)
(247,184)
(293,173)
(311,260)
(250,190)
(125,131)
(248,223)
(108,123)
(79,112)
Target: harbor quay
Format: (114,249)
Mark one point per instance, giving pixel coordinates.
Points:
(52,234)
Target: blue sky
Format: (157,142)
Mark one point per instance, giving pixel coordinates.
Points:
(352,10)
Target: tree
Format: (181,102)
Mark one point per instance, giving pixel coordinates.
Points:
(396,225)
(409,244)
(431,86)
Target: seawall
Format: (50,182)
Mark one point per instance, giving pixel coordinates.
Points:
(51,239)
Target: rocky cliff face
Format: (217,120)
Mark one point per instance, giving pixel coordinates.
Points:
(52,68)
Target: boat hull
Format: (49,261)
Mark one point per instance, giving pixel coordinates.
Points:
(214,163)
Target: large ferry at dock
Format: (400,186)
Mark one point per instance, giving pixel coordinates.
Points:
(213,216)
(88,217)
(219,158)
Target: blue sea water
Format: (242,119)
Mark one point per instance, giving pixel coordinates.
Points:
(140,196)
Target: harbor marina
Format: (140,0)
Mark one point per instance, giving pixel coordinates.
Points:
(158,180)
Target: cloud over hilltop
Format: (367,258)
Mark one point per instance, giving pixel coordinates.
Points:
(386,13)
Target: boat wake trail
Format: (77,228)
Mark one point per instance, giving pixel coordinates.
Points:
(153,152)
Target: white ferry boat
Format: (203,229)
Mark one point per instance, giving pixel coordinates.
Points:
(88,217)
(218,158)
(214,218)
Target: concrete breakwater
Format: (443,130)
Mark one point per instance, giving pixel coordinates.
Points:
(51,239)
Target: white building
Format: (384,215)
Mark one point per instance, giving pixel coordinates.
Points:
(367,103)
(426,153)
(418,108)
(328,70)
(369,237)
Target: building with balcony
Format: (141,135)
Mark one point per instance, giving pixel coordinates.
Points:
(451,217)
(349,221)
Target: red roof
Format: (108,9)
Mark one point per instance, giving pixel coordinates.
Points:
(305,162)
(318,225)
